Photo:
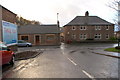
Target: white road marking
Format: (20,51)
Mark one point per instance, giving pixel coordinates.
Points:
(72,61)
(68,57)
(88,74)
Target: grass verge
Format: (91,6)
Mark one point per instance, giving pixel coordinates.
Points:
(112,50)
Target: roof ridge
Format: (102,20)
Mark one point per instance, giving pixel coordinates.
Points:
(88,20)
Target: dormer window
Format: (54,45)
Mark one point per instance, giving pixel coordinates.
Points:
(73,28)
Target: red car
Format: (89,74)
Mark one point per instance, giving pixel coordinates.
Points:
(6,56)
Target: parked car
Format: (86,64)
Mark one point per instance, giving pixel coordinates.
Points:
(6,55)
(24,43)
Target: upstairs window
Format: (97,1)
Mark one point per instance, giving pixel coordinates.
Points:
(82,27)
(73,28)
(97,27)
(107,27)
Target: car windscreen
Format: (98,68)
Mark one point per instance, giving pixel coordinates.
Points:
(21,41)
(3,47)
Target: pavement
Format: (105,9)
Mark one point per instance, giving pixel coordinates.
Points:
(106,53)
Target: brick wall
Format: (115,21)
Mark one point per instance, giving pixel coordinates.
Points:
(0,23)
(42,39)
(8,16)
(90,32)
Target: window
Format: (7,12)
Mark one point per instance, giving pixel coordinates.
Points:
(97,27)
(107,27)
(107,36)
(24,38)
(97,36)
(73,36)
(73,28)
(83,36)
(3,47)
(82,27)
(50,37)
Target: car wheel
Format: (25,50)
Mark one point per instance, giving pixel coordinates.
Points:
(27,45)
(12,61)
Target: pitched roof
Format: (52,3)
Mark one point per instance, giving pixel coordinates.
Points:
(88,20)
(7,9)
(38,29)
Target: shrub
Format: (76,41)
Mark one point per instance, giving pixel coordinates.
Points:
(90,39)
(113,38)
(117,47)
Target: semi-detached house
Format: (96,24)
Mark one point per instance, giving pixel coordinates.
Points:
(83,28)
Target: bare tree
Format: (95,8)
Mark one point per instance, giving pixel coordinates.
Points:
(115,5)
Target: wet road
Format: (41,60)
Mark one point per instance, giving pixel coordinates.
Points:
(66,61)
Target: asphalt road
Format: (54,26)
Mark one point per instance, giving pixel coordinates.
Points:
(66,61)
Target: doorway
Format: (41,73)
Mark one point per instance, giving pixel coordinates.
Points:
(37,39)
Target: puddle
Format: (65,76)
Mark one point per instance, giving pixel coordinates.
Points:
(73,51)
(83,52)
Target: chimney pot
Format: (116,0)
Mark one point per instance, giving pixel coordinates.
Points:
(86,13)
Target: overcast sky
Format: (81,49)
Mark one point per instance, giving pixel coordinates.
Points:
(46,11)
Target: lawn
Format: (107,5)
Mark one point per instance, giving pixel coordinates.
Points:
(112,50)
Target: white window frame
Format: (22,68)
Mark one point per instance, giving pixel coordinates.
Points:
(97,27)
(74,27)
(83,36)
(73,36)
(107,27)
(98,36)
(83,27)
(107,36)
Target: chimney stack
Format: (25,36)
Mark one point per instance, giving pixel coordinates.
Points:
(86,13)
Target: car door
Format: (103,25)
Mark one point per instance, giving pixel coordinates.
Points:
(21,43)
(6,55)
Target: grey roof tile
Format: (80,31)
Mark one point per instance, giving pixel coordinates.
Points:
(38,29)
(88,20)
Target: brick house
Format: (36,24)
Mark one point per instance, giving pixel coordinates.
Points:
(40,34)
(117,34)
(6,15)
(83,28)
(10,17)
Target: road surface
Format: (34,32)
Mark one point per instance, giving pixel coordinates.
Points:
(66,61)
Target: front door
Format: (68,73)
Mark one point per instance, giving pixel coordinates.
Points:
(37,39)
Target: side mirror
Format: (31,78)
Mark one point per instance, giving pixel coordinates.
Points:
(8,49)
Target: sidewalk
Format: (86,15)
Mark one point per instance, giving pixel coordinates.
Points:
(107,53)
